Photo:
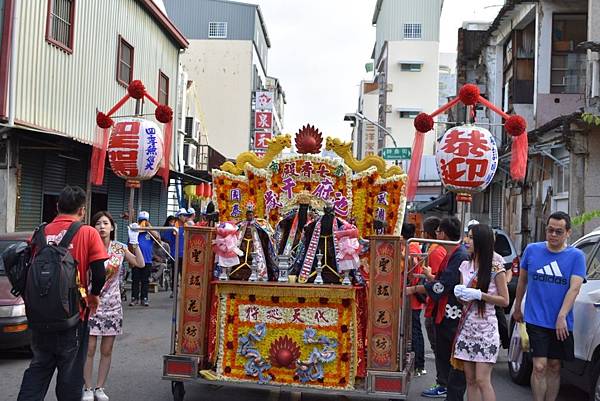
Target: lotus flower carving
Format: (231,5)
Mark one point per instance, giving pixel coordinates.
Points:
(284,352)
(309,140)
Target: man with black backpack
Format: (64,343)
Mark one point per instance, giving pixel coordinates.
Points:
(57,299)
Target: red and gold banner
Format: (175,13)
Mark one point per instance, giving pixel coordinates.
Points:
(287,334)
(196,276)
(385,296)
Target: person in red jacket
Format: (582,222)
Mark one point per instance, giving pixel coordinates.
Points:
(66,350)
(435,256)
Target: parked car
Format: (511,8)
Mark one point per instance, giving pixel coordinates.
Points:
(14,331)
(584,371)
(505,248)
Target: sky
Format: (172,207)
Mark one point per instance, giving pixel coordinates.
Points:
(319,49)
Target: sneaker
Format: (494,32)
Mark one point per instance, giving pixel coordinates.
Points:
(420,372)
(88,395)
(133,302)
(435,392)
(145,302)
(100,394)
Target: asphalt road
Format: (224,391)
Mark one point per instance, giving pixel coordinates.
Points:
(137,368)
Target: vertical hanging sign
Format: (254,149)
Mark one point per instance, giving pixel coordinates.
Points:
(384,303)
(195,294)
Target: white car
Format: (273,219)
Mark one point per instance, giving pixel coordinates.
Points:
(584,371)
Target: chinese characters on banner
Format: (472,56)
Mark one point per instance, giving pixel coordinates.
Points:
(370,139)
(384,303)
(260,139)
(263,120)
(196,275)
(467,159)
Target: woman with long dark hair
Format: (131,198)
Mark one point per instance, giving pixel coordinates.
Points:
(483,286)
(107,322)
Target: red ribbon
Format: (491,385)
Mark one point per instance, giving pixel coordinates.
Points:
(164,171)
(415,165)
(98,158)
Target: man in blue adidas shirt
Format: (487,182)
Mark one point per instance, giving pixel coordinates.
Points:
(554,274)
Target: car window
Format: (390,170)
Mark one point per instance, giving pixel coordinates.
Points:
(586,247)
(502,246)
(593,272)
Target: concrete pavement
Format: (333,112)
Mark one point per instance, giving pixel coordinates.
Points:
(137,367)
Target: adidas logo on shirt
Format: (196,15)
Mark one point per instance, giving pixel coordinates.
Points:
(550,274)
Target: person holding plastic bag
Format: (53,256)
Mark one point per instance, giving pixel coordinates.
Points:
(483,286)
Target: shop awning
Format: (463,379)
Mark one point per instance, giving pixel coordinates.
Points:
(442,200)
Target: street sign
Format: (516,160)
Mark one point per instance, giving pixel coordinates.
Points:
(396,153)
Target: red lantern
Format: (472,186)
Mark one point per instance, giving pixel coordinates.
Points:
(135,150)
(208,190)
(467,159)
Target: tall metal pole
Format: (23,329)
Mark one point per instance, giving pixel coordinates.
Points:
(132,217)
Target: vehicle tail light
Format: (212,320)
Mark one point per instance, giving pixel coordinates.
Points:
(15,328)
(180,366)
(515,267)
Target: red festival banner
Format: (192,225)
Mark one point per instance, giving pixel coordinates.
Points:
(196,275)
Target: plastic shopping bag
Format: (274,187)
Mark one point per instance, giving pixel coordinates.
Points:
(524,337)
(519,343)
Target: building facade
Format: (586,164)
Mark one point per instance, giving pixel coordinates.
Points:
(531,62)
(406,66)
(227,59)
(62,62)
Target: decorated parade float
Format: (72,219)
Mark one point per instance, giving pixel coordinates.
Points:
(299,287)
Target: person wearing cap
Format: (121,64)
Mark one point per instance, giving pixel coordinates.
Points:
(141,275)
(191,219)
(170,237)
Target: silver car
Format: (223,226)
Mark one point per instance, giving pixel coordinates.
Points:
(584,371)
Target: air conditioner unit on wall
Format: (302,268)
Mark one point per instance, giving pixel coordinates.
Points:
(192,128)
(190,152)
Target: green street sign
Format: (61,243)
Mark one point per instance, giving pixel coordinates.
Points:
(396,153)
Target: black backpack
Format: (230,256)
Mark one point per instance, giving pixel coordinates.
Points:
(15,263)
(51,295)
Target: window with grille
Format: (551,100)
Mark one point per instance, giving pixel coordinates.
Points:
(125,62)
(412,31)
(59,23)
(217,30)
(568,62)
(163,88)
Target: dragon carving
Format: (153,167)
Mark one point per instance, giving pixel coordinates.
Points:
(275,146)
(344,150)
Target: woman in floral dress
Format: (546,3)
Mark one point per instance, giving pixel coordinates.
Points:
(107,322)
(483,285)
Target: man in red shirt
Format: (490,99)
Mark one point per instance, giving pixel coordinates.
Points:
(65,351)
